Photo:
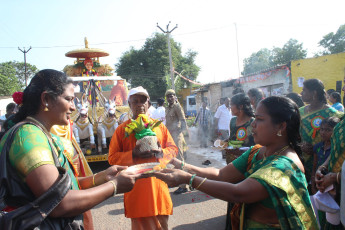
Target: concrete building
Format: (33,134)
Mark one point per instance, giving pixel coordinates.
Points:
(273,81)
(330,69)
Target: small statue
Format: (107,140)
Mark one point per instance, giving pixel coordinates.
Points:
(82,127)
(107,128)
(88,63)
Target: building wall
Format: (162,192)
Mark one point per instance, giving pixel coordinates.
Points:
(329,69)
(213,94)
(273,82)
(227,92)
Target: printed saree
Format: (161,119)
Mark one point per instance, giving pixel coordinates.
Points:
(337,156)
(309,130)
(287,188)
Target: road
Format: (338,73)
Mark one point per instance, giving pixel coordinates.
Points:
(192,210)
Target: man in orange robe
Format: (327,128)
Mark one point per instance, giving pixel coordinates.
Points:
(149,203)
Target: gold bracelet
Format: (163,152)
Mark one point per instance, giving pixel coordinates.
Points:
(338,178)
(115,187)
(201,183)
(93,179)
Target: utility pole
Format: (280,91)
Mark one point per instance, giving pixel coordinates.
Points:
(238,58)
(25,51)
(170,56)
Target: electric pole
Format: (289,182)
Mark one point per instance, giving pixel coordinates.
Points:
(25,51)
(238,56)
(170,56)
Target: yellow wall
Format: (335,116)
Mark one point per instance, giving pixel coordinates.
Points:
(329,69)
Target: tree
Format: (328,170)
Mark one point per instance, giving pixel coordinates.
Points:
(257,61)
(8,81)
(292,50)
(150,68)
(333,43)
(31,70)
(265,58)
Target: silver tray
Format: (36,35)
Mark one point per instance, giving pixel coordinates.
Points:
(146,167)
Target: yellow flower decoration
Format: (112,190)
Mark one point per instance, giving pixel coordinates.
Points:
(142,122)
(144,117)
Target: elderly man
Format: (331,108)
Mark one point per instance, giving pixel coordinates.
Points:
(176,124)
(149,203)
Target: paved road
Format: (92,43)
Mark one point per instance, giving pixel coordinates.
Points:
(192,210)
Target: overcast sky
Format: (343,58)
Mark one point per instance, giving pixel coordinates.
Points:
(52,28)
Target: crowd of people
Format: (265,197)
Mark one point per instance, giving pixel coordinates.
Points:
(294,155)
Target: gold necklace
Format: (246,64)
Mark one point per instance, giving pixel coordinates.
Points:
(277,152)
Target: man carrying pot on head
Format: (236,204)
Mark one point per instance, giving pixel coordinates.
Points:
(149,203)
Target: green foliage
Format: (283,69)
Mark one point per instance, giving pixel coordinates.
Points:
(333,43)
(19,68)
(290,51)
(150,68)
(190,121)
(257,61)
(8,81)
(265,58)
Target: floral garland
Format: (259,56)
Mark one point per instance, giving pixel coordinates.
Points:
(85,71)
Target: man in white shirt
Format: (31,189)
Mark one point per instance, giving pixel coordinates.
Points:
(159,113)
(222,119)
(150,110)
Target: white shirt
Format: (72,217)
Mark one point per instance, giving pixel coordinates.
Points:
(159,114)
(150,111)
(224,116)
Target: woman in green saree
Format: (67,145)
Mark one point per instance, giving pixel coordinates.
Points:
(314,95)
(49,100)
(268,180)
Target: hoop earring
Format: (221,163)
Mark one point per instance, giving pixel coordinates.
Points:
(46,108)
(279,134)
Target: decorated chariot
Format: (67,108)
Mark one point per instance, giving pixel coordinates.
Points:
(101,100)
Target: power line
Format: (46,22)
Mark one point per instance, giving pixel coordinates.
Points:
(181,34)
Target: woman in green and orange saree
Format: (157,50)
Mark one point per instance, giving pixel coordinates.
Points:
(314,95)
(267,181)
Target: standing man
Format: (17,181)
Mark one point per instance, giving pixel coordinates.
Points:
(149,203)
(222,119)
(159,113)
(203,118)
(176,124)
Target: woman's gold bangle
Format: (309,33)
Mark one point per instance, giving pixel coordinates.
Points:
(93,179)
(201,183)
(338,178)
(115,187)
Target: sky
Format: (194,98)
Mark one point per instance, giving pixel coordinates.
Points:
(223,33)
